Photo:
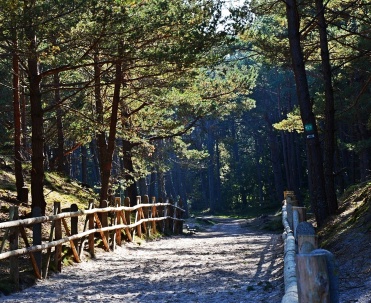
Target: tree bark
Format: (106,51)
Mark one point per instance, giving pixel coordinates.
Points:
(211,167)
(237,163)
(19,181)
(218,195)
(329,144)
(315,163)
(101,136)
(84,164)
(131,190)
(61,167)
(37,121)
(106,149)
(276,161)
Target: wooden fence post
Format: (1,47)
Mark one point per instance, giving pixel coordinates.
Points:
(165,226)
(58,236)
(307,243)
(170,214)
(138,217)
(104,219)
(127,212)
(289,205)
(178,225)
(302,211)
(160,212)
(153,215)
(313,279)
(75,225)
(36,232)
(146,214)
(49,251)
(118,221)
(91,226)
(142,216)
(180,204)
(14,244)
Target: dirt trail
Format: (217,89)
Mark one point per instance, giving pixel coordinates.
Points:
(224,263)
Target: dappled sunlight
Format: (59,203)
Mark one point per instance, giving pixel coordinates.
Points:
(225,263)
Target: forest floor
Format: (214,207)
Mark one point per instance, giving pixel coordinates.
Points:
(224,261)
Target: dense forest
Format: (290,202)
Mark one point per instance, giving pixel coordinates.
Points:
(222,106)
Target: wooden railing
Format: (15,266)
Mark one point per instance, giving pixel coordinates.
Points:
(109,222)
(310,274)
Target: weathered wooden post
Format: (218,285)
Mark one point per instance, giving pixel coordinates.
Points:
(180,216)
(305,229)
(14,243)
(307,243)
(36,233)
(333,273)
(58,236)
(302,211)
(137,218)
(146,212)
(91,226)
(75,225)
(118,221)
(170,214)
(141,216)
(49,251)
(313,279)
(289,205)
(160,212)
(167,220)
(154,214)
(104,219)
(175,217)
(127,212)
(298,216)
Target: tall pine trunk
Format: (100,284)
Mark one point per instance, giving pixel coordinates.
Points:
(131,189)
(329,143)
(106,148)
(19,181)
(211,166)
(61,167)
(84,164)
(276,160)
(314,156)
(37,113)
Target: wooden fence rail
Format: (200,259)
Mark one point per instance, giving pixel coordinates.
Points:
(147,217)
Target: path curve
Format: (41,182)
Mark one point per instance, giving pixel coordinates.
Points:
(224,263)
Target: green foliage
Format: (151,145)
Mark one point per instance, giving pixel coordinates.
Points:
(291,123)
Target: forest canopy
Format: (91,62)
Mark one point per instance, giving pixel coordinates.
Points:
(222,106)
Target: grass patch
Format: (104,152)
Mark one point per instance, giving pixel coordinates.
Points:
(61,189)
(354,213)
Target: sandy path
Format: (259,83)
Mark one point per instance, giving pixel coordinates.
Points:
(225,263)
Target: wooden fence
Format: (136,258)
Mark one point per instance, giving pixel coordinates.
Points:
(310,274)
(109,222)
